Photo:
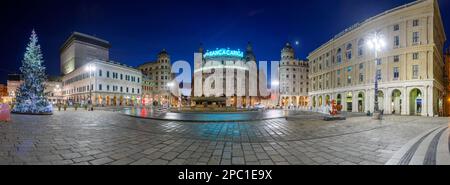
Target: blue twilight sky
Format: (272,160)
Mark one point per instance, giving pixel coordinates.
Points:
(139,29)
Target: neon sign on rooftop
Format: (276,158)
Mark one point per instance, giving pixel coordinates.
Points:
(224,53)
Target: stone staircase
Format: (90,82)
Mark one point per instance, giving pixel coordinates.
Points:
(429,148)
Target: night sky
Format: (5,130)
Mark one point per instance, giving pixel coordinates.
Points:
(138,30)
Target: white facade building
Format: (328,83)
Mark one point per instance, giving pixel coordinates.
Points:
(409,67)
(90,75)
(109,84)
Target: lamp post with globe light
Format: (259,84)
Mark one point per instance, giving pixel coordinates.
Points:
(376,43)
(90,68)
(170,85)
(275,87)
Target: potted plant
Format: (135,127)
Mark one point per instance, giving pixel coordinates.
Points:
(65,106)
(59,106)
(75,106)
(85,106)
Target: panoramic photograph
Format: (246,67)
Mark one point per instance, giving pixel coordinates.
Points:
(225,83)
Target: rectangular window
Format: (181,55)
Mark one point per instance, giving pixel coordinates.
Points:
(349,69)
(99,87)
(396,41)
(415,56)
(107,87)
(396,73)
(415,37)
(100,72)
(361,77)
(396,27)
(416,22)
(396,58)
(379,61)
(338,81)
(107,74)
(121,77)
(338,72)
(349,79)
(121,89)
(361,66)
(415,71)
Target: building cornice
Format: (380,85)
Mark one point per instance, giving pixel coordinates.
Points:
(360,25)
(76,36)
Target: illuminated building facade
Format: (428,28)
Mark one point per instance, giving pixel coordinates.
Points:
(3,93)
(52,89)
(447,82)
(293,80)
(105,82)
(409,68)
(222,78)
(156,77)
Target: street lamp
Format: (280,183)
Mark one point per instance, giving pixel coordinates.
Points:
(57,91)
(90,68)
(170,85)
(376,43)
(276,84)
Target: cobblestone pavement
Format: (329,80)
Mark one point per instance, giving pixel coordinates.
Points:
(104,137)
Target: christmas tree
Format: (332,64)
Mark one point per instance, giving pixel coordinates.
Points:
(30,95)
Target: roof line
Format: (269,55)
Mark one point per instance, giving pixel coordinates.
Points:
(359,24)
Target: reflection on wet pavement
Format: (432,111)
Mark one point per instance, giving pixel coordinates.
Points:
(211,117)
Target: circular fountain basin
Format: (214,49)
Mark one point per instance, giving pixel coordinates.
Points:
(148,113)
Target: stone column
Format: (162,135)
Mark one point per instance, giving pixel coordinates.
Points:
(424,101)
(407,101)
(344,101)
(404,102)
(430,101)
(355,101)
(388,101)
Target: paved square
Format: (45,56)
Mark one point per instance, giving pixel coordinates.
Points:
(105,137)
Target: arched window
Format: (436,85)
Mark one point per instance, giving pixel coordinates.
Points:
(361,47)
(339,56)
(349,51)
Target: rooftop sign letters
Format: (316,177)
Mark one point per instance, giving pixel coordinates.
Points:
(224,53)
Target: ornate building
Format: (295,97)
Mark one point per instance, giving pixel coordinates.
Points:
(409,68)
(293,79)
(156,78)
(222,78)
